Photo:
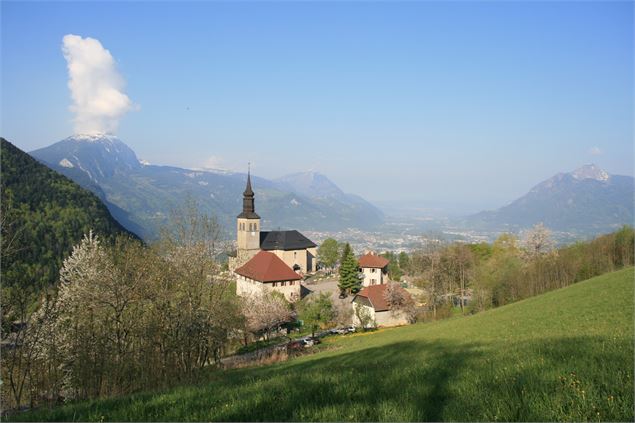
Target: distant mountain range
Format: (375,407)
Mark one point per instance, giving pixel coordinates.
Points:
(140,195)
(587,201)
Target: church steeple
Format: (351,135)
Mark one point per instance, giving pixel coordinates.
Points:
(249,209)
(248,190)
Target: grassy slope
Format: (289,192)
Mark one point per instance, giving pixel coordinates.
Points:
(565,355)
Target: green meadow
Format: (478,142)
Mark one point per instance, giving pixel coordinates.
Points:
(565,355)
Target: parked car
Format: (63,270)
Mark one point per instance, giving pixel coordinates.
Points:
(295,346)
(309,341)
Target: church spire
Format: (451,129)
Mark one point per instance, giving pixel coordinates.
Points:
(249,209)
(248,190)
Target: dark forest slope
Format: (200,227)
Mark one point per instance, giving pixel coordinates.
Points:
(43,215)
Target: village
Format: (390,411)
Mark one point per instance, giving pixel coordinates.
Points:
(285,263)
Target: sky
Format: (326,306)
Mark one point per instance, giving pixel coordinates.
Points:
(464,105)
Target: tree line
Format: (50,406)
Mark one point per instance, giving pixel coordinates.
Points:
(476,277)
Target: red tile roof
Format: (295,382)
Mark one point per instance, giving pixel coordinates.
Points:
(373,260)
(375,294)
(267,267)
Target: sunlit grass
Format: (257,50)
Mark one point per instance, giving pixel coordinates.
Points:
(565,355)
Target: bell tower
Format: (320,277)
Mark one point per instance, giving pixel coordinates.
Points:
(248,222)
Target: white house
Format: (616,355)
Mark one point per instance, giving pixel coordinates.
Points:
(374,268)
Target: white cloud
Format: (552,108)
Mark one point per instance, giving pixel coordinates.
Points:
(95,84)
(595,151)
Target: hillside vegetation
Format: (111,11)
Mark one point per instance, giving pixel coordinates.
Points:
(44,214)
(563,355)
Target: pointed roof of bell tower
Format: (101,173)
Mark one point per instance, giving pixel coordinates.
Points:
(248,190)
(249,208)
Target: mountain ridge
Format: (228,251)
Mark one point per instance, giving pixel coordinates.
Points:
(141,195)
(587,200)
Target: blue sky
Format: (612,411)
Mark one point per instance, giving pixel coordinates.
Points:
(461,104)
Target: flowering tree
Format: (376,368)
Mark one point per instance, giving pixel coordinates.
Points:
(265,312)
(538,241)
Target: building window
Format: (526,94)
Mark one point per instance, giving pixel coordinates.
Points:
(292,283)
(373,270)
(275,284)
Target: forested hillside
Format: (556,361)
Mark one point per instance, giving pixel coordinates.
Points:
(43,215)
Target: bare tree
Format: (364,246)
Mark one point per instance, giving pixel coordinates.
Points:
(364,317)
(400,301)
(343,313)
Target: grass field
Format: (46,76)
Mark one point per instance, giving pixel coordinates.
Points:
(565,355)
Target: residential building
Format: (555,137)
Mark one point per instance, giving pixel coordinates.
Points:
(266,272)
(374,268)
(372,299)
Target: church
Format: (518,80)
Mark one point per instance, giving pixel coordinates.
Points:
(273,260)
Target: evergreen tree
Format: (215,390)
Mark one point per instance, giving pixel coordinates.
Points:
(349,270)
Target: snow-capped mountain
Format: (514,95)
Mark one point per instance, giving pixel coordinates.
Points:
(590,171)
(99,156)
(587,200)
(141,195)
